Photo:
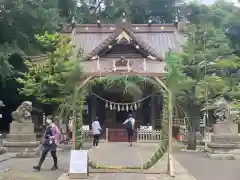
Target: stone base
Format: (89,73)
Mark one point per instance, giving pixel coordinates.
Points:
(2,150)
(67,176)
(23,149)
(22,140)
(28,154)
(223,156)
(223,151)
(225,139)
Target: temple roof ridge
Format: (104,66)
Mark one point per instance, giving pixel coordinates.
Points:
(113,37)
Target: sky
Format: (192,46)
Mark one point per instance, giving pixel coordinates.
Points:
(207,1)
(212,1)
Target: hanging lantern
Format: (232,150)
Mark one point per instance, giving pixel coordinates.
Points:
(144,65)
(135,106)
(114,66)
(106,105)
(118,107)
(122,109)
(111,106)
(127,108)
(114,107)
(139,105)
(128,66)
(131,107)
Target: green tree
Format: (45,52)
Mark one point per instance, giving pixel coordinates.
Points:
(138,11)
(20,20)
(48,80)
(222,14)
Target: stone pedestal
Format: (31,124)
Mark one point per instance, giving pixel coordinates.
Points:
(225,142)
(22,140)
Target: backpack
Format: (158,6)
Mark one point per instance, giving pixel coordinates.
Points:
(129,124)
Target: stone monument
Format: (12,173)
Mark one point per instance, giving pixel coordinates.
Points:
(225,142)
(22,139)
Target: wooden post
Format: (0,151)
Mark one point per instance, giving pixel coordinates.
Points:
(106,134)
(74,134)
(137,135)
(153,107)
(43,123)
(74,114)
(170,159)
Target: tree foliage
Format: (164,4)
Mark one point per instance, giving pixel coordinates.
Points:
(49,80)
(138,11)
(20,20)
(208,59)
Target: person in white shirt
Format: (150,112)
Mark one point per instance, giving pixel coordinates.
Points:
(96,132)
(130,122)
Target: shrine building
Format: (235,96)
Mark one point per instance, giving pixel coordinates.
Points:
(119,48)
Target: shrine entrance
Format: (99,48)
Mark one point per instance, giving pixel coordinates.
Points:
(113,107)
(126,50)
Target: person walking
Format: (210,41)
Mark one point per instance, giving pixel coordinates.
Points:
(130,122)
(96,132)
(50,142)
(70,129)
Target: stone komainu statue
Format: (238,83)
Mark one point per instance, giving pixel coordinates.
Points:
(23,112)
(222,112)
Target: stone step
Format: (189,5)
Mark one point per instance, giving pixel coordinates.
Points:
(21,144)
(225,139)
(21,137)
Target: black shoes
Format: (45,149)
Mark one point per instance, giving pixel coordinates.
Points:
(54,168)
(37,168)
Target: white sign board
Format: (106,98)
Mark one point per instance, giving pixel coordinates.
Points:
(79,162)
(146,128)
(85,127)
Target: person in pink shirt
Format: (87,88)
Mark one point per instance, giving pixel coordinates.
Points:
(50,142)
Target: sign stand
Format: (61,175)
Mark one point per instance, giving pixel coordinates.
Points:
(78,164)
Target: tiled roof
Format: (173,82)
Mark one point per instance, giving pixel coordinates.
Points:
(158,39)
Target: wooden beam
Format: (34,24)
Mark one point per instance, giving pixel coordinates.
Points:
(124,73)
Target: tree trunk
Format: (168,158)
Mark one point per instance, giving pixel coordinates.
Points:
(192,139)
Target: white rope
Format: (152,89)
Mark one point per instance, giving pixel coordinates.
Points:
(135,102)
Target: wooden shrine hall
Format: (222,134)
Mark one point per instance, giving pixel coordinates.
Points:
(124,49)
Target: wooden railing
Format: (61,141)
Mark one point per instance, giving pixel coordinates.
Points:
(87,135)
(144,136)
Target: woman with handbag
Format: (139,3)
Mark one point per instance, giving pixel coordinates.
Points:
(50,141)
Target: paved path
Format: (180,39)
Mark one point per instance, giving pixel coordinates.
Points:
(204,168)
(21,169)
(108,153)
(121,154)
